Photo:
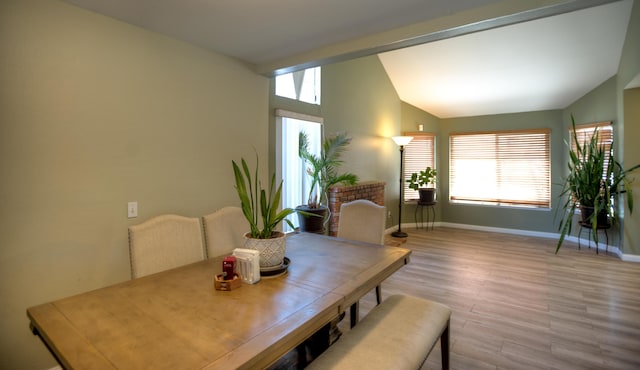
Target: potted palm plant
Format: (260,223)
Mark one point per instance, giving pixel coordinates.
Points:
(594,179)
(323,171)
(260,208)
(421,182)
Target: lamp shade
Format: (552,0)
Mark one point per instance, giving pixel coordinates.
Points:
(402,140)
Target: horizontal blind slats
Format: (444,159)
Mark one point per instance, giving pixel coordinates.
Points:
(511,167)
(418,155)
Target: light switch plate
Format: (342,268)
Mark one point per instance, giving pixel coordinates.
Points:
(132,209)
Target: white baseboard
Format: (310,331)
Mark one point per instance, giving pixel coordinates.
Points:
(612,248)
(500,230)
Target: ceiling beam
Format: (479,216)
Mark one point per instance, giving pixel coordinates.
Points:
(499,14)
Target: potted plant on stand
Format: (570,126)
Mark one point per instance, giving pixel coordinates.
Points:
(323,171)
(260,208)
(421,182)
(594,179)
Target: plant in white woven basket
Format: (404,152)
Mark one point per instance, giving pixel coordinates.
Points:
(260,207)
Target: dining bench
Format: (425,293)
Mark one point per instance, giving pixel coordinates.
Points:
(399,333)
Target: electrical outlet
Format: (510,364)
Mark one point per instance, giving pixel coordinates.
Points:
(389,214)
(132,209)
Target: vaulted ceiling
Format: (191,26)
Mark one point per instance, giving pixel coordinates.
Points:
(542,64)
(449,58)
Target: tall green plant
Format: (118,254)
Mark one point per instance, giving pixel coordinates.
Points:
(592,181)
(260,207)
(323,168)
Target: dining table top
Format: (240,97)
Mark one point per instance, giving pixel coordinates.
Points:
(176,319)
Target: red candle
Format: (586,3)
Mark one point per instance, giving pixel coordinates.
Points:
(228,267)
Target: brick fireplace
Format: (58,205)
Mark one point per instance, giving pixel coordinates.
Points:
(371,190)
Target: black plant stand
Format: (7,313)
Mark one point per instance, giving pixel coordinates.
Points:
(430,206)
(588,226)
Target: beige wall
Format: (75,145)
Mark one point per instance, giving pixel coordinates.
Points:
(95,113)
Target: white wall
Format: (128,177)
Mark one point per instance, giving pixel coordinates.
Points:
(95,113)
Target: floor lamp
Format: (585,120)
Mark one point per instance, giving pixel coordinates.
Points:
(401,141)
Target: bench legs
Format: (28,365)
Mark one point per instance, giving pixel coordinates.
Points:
(444,337)
(413,324)
(444,347)
(354,314)
(354,310)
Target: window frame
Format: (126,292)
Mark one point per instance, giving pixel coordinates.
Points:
(586,131)
(411,161)
(300,185)
(511,148)
(303,85)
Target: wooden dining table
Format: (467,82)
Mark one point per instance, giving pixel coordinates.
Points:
(175,319)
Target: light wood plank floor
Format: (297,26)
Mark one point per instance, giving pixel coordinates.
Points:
(517,305)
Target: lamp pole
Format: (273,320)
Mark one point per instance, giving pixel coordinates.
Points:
(401,141)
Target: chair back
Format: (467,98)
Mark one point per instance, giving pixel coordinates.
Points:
(224,231)
(362,220)
(164,242)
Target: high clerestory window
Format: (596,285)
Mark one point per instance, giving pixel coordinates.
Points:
(505,168)
(300,85)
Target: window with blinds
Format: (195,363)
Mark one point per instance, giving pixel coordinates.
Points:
(505,168)
(418,155)
(584,133)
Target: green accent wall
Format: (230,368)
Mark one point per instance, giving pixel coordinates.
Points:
(631,230)
(628,103)
(412,117)
(358,98)
(615,101)
(539,220)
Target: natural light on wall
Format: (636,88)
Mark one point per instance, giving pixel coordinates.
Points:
(300,85)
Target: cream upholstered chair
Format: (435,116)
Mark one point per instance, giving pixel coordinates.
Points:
(164,242)
(362,220)
(224,230)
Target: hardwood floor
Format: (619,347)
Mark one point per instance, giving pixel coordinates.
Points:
(517,305)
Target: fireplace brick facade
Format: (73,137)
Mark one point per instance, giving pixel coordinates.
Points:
(371,190)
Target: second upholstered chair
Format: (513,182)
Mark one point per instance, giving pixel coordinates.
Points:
(164,242)
(224,230)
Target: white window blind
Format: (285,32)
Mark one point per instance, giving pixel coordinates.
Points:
(501,168)
(584,133)
(418,155)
